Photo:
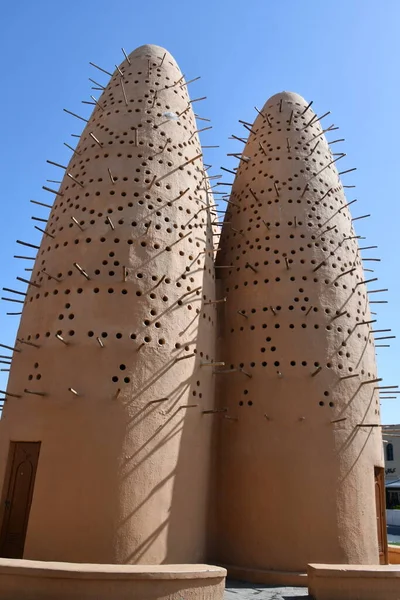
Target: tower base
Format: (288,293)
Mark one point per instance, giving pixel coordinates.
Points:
(354,582)
(37,580)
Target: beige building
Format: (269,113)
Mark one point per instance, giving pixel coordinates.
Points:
(391,447)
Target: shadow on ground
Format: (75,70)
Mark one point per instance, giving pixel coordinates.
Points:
(241,590)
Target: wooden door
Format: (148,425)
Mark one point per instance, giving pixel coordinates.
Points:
(20,479)
(381,515)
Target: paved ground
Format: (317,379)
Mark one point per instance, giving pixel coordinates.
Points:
(237,590)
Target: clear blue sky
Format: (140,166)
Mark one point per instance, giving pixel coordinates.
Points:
(343,54)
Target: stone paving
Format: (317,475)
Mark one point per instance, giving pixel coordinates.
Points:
(239,590)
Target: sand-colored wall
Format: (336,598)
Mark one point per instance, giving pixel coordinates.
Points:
(353,582)
(30,580)
(124,465)
(293,486)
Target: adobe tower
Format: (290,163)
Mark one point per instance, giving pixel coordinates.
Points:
(110,368)
(296,472)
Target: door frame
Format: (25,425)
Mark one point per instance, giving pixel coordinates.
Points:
(379,480)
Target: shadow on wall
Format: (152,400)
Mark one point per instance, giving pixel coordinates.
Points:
(179,476)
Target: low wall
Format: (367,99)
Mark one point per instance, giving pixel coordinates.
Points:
(393,517)
(37,580)
(354,582)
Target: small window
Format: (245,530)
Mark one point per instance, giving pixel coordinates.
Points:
(389,452)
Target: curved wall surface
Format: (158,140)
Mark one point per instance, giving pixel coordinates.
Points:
(295,479)
(115,325)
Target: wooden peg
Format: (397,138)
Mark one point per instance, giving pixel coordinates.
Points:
(307,107)
(51,162)
(366,281)
(21,341)
(190,81)
(44,231)
(158,400)
(12,300)
(159,282)
(41,203)
(111,224)
(228,171)
(251,267)
(61,339)
(52,191)
(98,84)
(313,149)
(51,276)
(241,370)
(123,92)
(10,348)
(37,285)
(371,381)
(96,102)
(14,291)
(10,394)
(70,389)
(358,218)
(28,245)
(100,69)
(179,358)
(317,370)
(71,148)
(200,131)
(75,115)
(212,364)
(262,148)
(126,56)
(100,342)
(215,301)
(348,171)
(95,139)
(349,376)
(81,271)
(26,391)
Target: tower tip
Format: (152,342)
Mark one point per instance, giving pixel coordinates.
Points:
(151,51)
(288,97)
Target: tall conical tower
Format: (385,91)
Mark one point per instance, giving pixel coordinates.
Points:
(297,463)
(107,372)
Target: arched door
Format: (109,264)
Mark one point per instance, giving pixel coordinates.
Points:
(20,480)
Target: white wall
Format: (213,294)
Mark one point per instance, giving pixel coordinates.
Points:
(393,517)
